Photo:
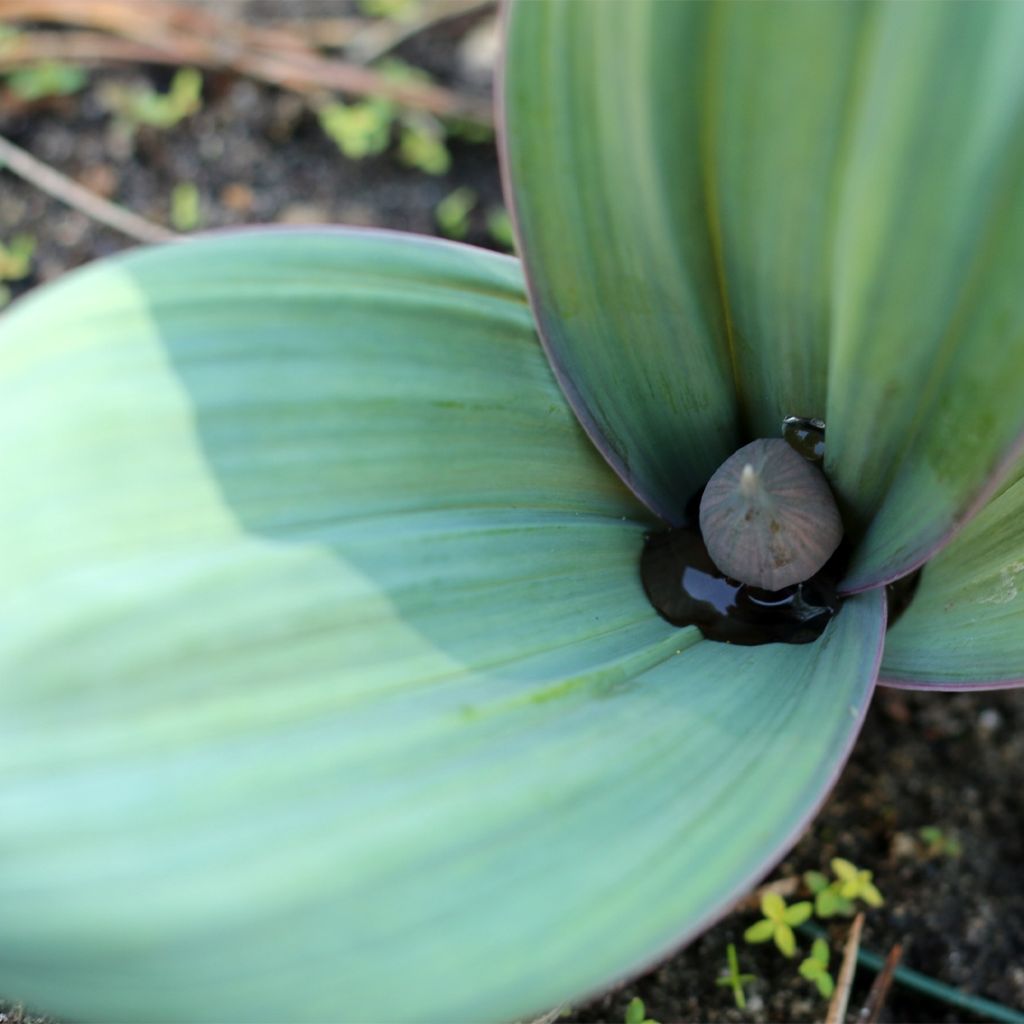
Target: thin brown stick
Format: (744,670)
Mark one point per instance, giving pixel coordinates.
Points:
(871,1012)
(841,997)
(168,33)
(784,887)
(53,183)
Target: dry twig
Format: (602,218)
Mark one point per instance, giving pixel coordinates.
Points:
(837,1008)
(871,1012)
(172,33)
(785,887)
(52,182)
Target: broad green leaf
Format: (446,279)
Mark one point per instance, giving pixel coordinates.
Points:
(602,103)
(328,690)
(779,79)
(965,626)
(927,334)
(843,178)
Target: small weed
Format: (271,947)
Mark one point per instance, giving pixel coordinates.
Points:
(778,922)
(16,258)
(186,214)
(46,79)
(366,128)
(938,843)
(452,213)
(855,884)
(636,1012)
(392,10)
(827,901)
(359,130)
(734,979)
(836,898)
(499,227)
(422,144)
(815,968)
(135,107)
(15,263)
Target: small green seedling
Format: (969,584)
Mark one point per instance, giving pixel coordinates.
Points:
(15,263)
(938,843)
(827,901)
(361,129)
(855,884)
(421,143)
(778,922)
(636,1012)
(146,106)
(46,79)
(185,210)
(422,137)
(364,129)
(392,10)
(16,258)
(733,979)
(499,227)
(815,968)
(452,213)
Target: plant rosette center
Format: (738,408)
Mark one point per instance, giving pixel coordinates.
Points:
(760,555)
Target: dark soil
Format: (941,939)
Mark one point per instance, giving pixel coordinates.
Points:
(952,761)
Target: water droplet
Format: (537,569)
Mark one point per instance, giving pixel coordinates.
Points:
(687,589)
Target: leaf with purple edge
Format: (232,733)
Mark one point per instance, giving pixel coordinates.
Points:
(964,628)
(611,212)
(927,323)
(326,628)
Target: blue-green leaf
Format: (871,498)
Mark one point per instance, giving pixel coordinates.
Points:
(927,357)
(602,108)
(328,689)
(965,626)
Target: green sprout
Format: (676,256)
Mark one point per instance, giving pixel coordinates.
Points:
(499,227)
(636,1012)
(855,884)
(422,144)
(392,10)
(939,843)
(734,979)
(16,257)
(827,900)
(146,106)
(815,968)
(778,922)
(186,214)
(452,213)
(15,263)
(360,129)
(46,79)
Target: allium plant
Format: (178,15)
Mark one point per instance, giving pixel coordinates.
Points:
(330,686)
